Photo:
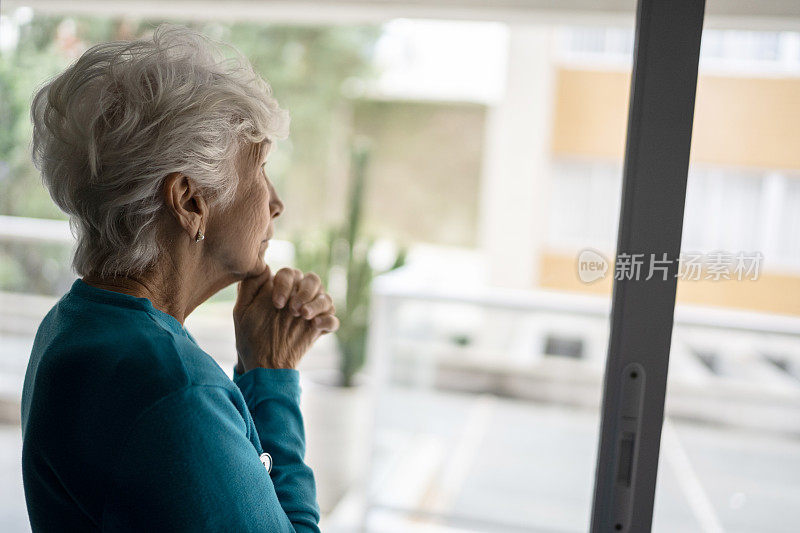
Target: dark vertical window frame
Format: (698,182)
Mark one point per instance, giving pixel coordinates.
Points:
(660,114)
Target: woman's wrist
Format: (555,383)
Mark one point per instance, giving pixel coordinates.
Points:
(241,368)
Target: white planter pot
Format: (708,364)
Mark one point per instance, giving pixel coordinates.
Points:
(337,421)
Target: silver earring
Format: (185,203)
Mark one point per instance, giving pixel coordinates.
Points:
(199,237)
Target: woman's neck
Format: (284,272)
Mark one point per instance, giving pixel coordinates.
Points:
(165,291)
(181,281)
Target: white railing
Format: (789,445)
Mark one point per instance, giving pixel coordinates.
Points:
(755,368)
(38,230)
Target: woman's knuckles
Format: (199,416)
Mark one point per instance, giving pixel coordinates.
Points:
(322,303)
(282,285)
(327,322)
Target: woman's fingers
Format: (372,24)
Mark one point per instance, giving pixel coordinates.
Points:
(306,291)
(327,322)
(282,285)
(322,303)
(247,289)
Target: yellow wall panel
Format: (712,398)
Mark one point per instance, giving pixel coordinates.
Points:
(591,113)
(747,121)
(738,121)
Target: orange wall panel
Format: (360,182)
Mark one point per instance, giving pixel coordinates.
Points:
(738,121)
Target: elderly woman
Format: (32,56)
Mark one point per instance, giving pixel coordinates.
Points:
(155,149)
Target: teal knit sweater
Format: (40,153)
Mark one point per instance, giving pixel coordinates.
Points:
(129,426)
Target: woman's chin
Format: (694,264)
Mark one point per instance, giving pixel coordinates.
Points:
(261,256)
(259,262)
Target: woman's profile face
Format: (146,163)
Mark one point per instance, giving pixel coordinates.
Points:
(240,233)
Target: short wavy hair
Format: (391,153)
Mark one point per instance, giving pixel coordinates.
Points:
(115,123)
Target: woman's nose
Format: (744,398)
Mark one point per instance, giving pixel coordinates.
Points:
(275,205)
(276,209)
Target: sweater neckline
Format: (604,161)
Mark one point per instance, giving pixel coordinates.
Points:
(84,290)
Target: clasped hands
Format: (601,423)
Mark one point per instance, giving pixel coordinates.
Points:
(278,318)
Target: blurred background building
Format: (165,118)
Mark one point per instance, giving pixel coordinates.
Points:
(496,139)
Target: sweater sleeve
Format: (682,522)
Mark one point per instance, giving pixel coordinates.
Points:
(188,464)
(273,398)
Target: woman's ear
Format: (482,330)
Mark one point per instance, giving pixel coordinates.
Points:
(185,202)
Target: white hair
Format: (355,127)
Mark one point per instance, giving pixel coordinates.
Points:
(112,126)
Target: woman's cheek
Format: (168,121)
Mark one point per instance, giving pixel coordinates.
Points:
(260,264)
(259,216)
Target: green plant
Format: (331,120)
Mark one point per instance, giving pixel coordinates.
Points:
(340,256)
